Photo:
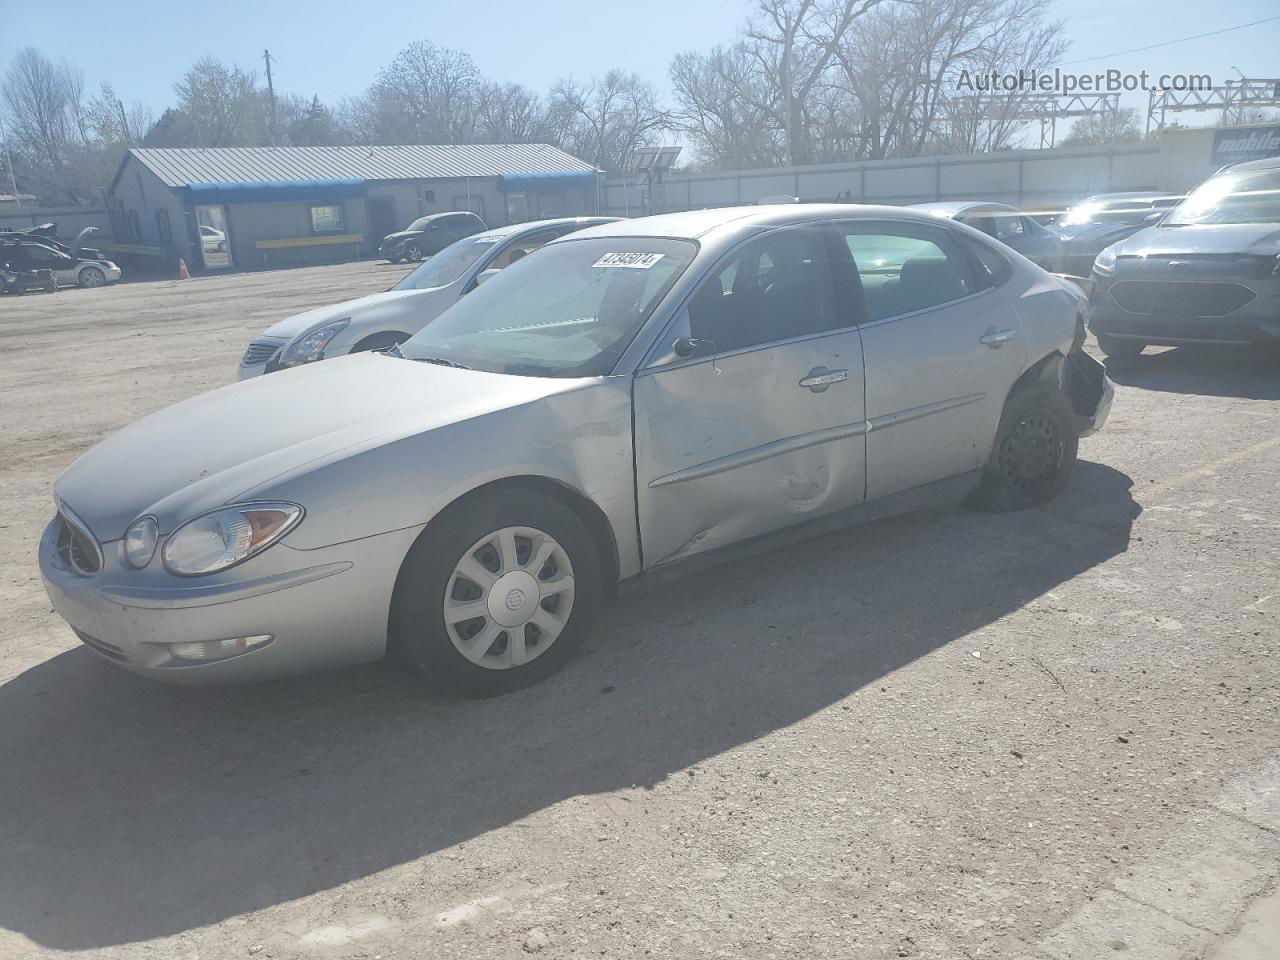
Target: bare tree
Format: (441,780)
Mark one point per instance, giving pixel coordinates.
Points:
(223,103)
(721,107)
(796,42)
(604,120)
(35,93)
(1117,126)
(427,94)
(509,113)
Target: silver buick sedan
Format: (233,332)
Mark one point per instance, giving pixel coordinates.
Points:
(636,395)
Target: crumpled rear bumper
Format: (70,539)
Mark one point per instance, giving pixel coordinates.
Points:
(1090,391)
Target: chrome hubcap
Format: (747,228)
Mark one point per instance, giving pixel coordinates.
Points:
(509,598)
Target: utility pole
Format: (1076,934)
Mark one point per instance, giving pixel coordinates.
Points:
(271,94)
(8,158)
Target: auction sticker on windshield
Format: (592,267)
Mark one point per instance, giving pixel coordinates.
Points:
(636,261)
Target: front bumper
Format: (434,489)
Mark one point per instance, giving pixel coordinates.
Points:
(113,273)
(321,608)
(1256,322)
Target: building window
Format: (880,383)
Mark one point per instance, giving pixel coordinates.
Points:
(327,218)
(162,225)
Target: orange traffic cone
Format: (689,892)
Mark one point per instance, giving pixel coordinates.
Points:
(183,272)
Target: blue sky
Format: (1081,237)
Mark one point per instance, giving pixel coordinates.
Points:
(333,48)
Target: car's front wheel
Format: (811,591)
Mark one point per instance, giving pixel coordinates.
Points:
(1119,349)
(497,593)
(92,277)
(413,252)
(1034,451)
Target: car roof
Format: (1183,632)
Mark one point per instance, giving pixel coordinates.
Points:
(1266,163)
(953,208)
(693,224)
(532,226)
(446,213)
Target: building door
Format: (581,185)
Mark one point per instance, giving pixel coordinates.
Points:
(215,238)
(382,219)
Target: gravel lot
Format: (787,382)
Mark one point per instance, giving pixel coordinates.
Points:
(946,735)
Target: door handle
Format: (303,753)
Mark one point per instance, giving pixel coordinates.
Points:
(820,378)
(994,338)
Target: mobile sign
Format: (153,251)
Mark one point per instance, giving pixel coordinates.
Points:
(1249,143)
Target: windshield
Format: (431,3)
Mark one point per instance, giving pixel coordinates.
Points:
(447,265)
(419,225)
(569,312)
(1245,196)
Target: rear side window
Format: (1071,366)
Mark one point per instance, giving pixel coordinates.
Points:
(776,288)
(991,265)
(905,268)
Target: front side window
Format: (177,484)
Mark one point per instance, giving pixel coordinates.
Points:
(1245,196)
(571,312)
(776,288)
(905,268)
(447,265)
(327,218)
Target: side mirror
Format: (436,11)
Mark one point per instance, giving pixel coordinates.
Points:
(685,347)
(485,275)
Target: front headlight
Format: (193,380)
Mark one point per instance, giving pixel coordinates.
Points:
(225,537)
(1105,262)
(140,542)
(310,347)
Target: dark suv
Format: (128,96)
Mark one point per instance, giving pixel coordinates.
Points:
(428,235)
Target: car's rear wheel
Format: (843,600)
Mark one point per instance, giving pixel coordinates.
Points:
(412,252)
(1119,349)
(92,277)
(497,593)
(1034,451)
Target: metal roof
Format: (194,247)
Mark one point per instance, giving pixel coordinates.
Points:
(188,166)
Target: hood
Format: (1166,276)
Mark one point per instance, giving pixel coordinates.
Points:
(400,235)
(211,449)
(1251,238)
(366,307)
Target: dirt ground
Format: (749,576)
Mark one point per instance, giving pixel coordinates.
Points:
(947,735)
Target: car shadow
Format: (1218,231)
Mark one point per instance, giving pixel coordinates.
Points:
(1248,373)
(130,810)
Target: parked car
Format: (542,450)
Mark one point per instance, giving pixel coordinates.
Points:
(47,233)
(637,394)
(429,235)
(212,240)
(1208,272)
(1007,224)
(69,271)
(382,320)
(1096,222)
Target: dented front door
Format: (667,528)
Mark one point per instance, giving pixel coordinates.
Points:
(741,445)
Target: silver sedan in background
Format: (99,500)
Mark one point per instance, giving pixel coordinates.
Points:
(381,320)
(639,394)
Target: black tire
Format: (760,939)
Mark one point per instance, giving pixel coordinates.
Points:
(379,341)
(417,635)
(91,277)
(1034,451)
(413,252)
(1117,349)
